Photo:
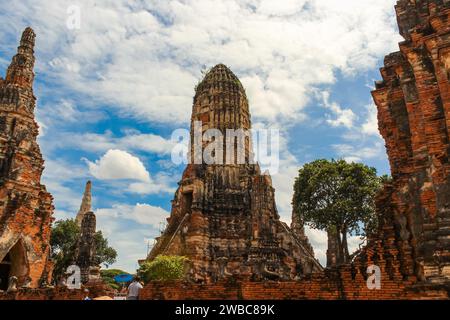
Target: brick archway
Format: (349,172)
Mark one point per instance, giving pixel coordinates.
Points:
(14,263)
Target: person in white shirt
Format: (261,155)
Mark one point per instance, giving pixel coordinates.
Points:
(133,289)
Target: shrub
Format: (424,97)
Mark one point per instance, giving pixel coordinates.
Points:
(164,268)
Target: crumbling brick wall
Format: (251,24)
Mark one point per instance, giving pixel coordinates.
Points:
(97,289)
(328,285)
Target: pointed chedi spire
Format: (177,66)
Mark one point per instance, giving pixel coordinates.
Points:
(27,208)
(20,71)
(86,203)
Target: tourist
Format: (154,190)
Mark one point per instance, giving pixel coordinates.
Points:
(134,288)
(86,295)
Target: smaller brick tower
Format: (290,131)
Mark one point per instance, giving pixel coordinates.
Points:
(86,220)
(86,245)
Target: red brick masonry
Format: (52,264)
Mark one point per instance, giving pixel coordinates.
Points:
(329,285)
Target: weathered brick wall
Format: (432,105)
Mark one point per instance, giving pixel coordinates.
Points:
(43,294)
(332,284)
(328,285)
(59,293)
(413,105)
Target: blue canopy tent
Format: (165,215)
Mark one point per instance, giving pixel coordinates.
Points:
(123,278)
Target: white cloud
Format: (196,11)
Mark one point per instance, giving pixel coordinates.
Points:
(117,164)
(344,117)
(150,188)
(143,59)
(66,111)
(140,213)
(363,141)
(357,153)
(370,126)
(351,159)
(132,140)
(283,183)
(120,165)
(286,7)
(57,173)
(130,229)
(63,214)
(146,142)
(319,241)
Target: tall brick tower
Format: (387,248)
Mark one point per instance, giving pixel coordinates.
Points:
(25,206)
(224,217)
(413,102)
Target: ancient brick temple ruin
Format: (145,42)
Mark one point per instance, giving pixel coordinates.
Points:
(224,217)
(86,220)
(25,205)
(411,247)
(413,101)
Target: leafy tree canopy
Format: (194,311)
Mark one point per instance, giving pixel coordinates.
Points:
(63,241)
(337,196)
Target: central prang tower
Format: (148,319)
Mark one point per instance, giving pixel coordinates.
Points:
(224,217)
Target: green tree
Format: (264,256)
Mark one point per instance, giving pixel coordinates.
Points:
(338,197)
(164,268)
(104,254)
(63,241)
(108,277)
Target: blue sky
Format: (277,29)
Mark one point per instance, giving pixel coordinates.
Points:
(111,92)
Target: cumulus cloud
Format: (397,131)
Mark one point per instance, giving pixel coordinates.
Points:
(129,229)
(144,59)
(343,117)
(120,165)
(357,153)
(57,174)
(362,141)
(150,188)
(370,126)
(131,140)
(287,7)
(65,111)
(141,213)
(117,164)
(283,183)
